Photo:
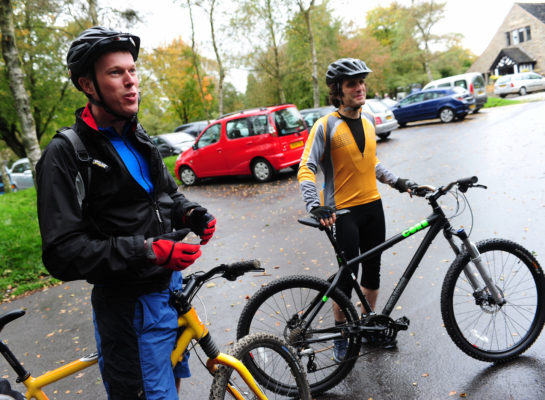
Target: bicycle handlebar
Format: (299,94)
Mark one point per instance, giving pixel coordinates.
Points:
(463,185)
(228,271)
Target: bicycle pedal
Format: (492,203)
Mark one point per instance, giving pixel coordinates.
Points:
(402,324)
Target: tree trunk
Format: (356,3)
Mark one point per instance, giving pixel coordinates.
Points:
(93,15)
(17,86)
(5,176)
(277,73)
(221,71)
(314,59)
(196,62)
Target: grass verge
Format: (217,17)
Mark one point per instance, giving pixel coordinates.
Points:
(21,267)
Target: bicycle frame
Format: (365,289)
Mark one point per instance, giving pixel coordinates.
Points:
(193,328)
(436,222)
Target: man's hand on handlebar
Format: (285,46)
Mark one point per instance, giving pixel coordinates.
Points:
(324,214)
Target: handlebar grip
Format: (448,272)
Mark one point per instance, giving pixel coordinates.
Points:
(468,181)
(236,269)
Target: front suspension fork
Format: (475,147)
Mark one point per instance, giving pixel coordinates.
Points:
(476,260)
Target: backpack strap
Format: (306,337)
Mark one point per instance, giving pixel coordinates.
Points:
(82,184)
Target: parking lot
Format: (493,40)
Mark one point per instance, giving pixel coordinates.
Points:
(504,147)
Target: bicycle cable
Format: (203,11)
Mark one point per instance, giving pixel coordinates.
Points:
(460,210)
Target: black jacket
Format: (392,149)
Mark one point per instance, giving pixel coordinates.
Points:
(102,240)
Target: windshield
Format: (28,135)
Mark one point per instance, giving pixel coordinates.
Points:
(377,106)
(288,121)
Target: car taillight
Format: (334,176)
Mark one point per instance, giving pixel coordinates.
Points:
(471,88)
(512,85)
(378,121)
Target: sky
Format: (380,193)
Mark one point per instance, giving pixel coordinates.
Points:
(477,20)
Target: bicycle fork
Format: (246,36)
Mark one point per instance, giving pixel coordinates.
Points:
(476,260)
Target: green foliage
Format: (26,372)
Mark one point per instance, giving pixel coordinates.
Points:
(170,162)
(20,245)
(498,102)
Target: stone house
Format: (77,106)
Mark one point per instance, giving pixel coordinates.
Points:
(518,45)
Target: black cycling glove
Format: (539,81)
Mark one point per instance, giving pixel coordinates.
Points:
(403,184)
(322,212)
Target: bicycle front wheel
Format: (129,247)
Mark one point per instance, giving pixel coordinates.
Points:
(274,365)
(279,308)
(477,324)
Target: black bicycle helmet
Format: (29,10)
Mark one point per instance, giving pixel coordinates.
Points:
(344,68)
(93,43)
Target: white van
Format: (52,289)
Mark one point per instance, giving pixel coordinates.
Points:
(473,82)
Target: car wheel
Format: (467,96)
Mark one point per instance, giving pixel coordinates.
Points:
(383,135)
(523,91)
(446,115)
(503,96)
(262,170)
(187,176)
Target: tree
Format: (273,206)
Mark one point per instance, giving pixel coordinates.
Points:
(425,15)
(16,83)
(263,22)
(306,12)
(169,72)
(210,8)
(300,77)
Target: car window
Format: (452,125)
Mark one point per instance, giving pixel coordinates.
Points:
(413,99)
(478,82)
(20,168)
(461,83)
(503,79)
(209,136)
(288,121)
(244,127)
(534,76)
(447,84)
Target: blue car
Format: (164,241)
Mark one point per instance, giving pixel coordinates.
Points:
(446,104)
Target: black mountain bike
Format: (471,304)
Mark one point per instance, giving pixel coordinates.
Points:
(492,299)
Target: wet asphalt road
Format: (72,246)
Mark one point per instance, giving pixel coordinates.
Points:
(504,147)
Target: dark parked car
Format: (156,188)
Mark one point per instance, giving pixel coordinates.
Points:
(170,144)
(193,128)
(446,104)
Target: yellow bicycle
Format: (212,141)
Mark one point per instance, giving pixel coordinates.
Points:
(266,367)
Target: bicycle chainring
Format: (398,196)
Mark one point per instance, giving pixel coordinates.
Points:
(389,332)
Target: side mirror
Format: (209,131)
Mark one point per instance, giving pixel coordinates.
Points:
(194,147)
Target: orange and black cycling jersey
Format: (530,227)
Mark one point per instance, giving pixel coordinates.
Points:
(349,175)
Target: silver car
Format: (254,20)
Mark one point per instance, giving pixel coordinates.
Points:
(523,83)
(385,122)
(21,174)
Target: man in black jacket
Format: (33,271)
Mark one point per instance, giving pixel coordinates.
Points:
(114,217)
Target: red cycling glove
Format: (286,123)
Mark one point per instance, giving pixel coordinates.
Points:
(167,251)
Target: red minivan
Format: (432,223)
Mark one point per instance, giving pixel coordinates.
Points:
(254,142)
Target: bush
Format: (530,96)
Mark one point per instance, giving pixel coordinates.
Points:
(20,245)
(170,162)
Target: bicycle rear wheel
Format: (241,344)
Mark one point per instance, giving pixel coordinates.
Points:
(478,325)
(273,364)
(278,309)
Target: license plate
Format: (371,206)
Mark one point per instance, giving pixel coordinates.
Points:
(294,145)
(472,106)
(388,117)
(502,86)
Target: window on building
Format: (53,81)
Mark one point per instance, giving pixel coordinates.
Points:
(508,38)
(528,33)
(515,36)
(521,35)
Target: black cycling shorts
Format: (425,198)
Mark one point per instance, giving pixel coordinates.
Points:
(357,232)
